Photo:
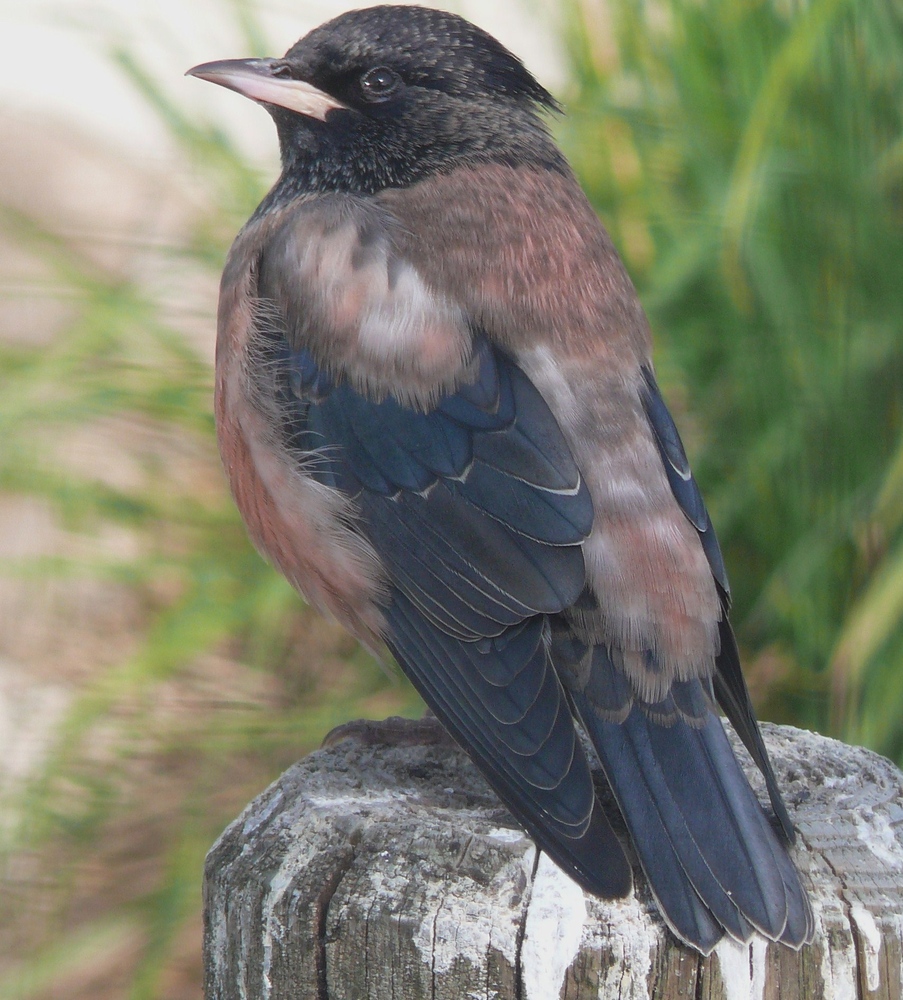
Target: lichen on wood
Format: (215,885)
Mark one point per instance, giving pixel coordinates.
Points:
(393,873)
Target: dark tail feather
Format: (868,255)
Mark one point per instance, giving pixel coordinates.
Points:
(710,854)
(800,928)
(695,906)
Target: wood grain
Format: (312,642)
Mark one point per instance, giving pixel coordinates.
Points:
(393,873)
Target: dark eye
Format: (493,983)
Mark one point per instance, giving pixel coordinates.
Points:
(379,84)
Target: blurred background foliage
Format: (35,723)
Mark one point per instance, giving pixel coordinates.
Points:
(747,157)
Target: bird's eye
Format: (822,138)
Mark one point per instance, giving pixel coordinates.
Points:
(379,84)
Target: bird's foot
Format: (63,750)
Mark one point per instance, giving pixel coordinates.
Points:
(394,731)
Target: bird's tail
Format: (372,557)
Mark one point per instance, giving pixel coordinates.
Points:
(712,859)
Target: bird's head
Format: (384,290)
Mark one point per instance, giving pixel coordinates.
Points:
(385,96)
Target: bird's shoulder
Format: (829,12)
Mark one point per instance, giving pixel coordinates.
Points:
(390,288)
(328,274)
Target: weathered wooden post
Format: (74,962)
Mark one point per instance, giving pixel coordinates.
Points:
(394,874)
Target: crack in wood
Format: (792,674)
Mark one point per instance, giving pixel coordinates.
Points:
(358,919)
(700,972)
(326,896)
(848,913)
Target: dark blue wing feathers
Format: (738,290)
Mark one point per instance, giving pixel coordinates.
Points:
(486,403)
(435,663)
(460,555)
(549,791)
(477,505)
(389,448)
(478,513)
(535,513)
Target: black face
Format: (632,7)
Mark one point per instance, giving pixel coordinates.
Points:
(422,91)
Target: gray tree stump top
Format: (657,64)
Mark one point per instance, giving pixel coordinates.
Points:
(394,873)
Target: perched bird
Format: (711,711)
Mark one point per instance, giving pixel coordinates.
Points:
(439,417)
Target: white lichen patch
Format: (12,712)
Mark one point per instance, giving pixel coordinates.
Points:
(257,817)
(874,829)
(358,800)
(870,937)
(742,968)
(838,964)
(273,927)
(621,931)
(506,835)
(470,921)
(554,929)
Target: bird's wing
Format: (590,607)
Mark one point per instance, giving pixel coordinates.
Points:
(468,494)
(464,486)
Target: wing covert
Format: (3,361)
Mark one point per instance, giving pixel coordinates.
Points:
(476,507)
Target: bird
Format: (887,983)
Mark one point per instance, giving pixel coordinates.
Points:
(439,417)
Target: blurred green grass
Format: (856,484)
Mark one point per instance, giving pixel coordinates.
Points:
(748,159)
